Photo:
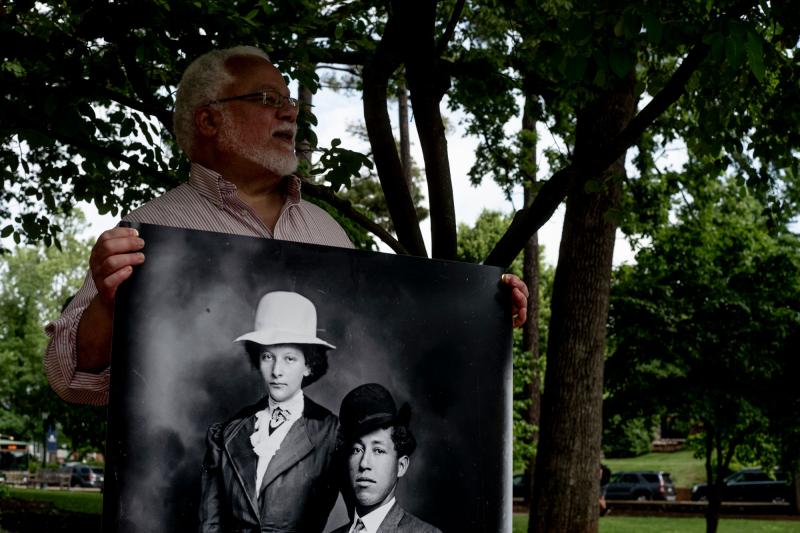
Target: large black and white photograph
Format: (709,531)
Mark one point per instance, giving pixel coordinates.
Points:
(262,385)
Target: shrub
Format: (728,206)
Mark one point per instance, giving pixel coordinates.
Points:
(627,437)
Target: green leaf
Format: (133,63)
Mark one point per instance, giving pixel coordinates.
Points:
(734,45)
(734,52)
(336,142)
(622,62)
(338,177)
(49,201)
(755,55)
(127,127)
(15,68)
(8,230)
(580,30)
(143,128)
(86,110)
(339,32)
(717,43)
(575,68)
(632,24)
(653,28)
(619,27)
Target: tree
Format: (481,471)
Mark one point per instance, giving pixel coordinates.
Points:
(731,66)
(701,325)
(590,68)
(37,281)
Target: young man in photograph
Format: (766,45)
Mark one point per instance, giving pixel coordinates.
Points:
(376,444)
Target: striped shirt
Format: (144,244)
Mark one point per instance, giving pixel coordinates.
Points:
(207,202)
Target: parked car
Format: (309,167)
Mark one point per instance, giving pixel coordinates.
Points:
(87,476)
(749,485)
(640,486)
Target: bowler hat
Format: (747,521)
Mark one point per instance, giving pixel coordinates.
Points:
(285,318)
(370,407)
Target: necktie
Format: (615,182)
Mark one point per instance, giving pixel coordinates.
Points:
(360,528)
(278,418)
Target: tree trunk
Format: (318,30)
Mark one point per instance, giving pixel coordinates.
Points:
(530,344)
(712,492)
(566,484)
(531,276)
(375,76)
(405,141)
(428,84)
(304,149)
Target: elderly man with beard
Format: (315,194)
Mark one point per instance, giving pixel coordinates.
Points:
(236,122)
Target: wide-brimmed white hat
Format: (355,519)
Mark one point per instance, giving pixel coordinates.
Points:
(285,318)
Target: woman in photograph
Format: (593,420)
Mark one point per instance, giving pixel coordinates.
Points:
(270,467)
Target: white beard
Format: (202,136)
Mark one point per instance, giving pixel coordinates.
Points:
(280,161)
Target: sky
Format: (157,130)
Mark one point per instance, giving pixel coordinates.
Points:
(337,111)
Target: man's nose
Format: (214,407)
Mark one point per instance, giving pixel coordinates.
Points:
(365,463)
(277,369)
(288,112)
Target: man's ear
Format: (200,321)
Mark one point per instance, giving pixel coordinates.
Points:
(206,121)
(402,465)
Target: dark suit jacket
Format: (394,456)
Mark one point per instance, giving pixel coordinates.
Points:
(299,487)
(398,521)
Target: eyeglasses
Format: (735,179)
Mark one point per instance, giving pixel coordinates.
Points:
(269,98)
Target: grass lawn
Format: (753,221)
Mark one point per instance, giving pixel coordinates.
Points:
(635,524)
(75,501)
(685,470)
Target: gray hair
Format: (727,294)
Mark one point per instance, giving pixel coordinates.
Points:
(201,83)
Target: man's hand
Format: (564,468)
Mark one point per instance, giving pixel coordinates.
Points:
(519,299)
(113,257)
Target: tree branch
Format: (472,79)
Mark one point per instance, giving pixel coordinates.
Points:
(346,208)
(138,81)
(82,143)
(350,71)
(455,16)
(527,221)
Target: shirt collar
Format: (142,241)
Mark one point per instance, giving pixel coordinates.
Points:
(210,184)
(372,520)
(293,406)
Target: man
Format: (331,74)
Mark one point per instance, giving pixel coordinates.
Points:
(376,443)
(235,121)
(605,477)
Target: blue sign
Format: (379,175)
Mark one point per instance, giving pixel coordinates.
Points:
(52,441)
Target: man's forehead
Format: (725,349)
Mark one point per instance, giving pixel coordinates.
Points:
(379,436)
(238,65)
(255,71)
